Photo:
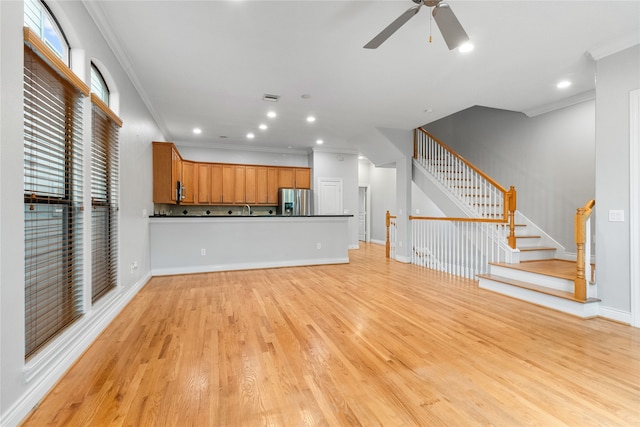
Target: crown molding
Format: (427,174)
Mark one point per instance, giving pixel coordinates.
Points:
(566,102)
(607,49)
(96,12)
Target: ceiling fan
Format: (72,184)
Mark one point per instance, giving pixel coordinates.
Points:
(452,32)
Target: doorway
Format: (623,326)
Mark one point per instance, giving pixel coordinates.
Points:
(364,228)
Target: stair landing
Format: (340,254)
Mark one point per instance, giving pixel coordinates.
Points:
(547,282)
(560,268)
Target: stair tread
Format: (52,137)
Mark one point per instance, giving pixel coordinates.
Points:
(536,248)
(528,237)
(553,267)
(536,288)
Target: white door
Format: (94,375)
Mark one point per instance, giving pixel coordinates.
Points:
(362,214)
(330,196)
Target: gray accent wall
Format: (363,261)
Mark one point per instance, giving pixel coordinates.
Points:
(550,158)
(618,75)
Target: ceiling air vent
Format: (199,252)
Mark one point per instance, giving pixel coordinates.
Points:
(270,98)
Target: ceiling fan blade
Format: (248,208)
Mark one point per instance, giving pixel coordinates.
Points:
(393,27)
(452,32)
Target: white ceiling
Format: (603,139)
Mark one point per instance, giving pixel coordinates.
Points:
(208,64)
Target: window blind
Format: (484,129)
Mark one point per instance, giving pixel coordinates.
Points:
(104,199)
(52,201)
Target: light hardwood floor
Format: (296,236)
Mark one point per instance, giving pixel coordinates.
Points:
(373,342)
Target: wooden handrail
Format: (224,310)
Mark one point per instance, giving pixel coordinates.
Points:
(465,219)
(509,196)
(580,230)
(388,218)
(453,153)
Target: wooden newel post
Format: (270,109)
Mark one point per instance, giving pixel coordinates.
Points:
(512,222)
(580,282)
(388,244)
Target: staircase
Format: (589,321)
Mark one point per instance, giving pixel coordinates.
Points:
(528,268)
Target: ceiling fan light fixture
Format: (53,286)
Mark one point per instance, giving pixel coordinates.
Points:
(466,47)
(452,32)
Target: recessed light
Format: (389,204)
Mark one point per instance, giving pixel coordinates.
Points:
(563,84)
(250,135)
(311,119)
(466,47)
(197,131)
(271,114)
(263,126)
(319,141)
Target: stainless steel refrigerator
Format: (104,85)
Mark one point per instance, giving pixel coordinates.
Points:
(294,202)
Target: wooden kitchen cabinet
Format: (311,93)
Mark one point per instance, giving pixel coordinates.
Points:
(189,183)
(272,186)
(262,185)
(294,177)
(167,171)
(286,178)
(250,184)
(228,183)
(207,183)
(216,183)
(239,185)
(302,178)
(204,183)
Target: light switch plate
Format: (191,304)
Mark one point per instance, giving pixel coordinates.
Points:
(616,216)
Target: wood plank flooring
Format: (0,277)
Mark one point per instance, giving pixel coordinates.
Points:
(371,343)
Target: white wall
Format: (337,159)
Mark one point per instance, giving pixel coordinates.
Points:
(23,384)
(550,158)
(382,182)
(618,75)
(330,164)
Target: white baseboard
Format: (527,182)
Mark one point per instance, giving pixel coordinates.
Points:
(47,367)
(246,266)
(379,242)
(615,314)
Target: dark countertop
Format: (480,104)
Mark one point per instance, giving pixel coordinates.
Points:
(250,216)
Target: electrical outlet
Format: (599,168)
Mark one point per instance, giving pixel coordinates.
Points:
(400,243)
(203,251)
(318,246)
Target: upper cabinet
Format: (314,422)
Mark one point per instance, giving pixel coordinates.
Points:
(189,182)
(289,177)
(167,171)
(219,183)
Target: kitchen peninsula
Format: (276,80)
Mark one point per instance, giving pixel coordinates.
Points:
(217,216)
(181,245)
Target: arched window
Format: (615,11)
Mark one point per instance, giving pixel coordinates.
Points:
(105,125)
(98,85)
(53,181)
(38,17)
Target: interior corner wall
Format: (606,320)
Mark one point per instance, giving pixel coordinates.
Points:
(382,182)
(617,76)
(327,164)
(19,392)
(550,158)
